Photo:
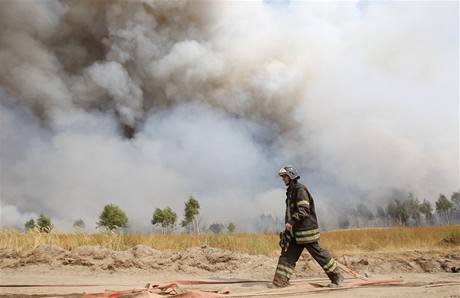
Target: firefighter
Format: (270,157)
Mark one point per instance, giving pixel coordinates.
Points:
(302,231)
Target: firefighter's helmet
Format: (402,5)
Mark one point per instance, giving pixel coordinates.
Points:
(290,171)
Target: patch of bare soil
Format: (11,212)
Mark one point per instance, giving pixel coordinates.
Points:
(198,260)
(91,269)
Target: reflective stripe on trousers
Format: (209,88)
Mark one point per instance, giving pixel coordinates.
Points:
(330,266)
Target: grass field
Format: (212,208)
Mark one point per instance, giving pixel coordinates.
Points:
(338,241)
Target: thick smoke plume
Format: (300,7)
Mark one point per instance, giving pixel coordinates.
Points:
(143,103)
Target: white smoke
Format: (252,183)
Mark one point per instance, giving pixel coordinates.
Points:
(127,96)
(144,103)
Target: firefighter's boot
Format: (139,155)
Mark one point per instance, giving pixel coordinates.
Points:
(282,275)
(336,279)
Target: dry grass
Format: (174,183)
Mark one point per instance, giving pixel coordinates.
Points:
(339,241)
(391,239)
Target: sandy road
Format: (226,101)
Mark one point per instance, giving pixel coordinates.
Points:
(417,284)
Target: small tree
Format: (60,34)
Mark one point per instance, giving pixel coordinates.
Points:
(191,212)
(455,198)
(216,228)
(170,218)
(44,224)
(398,213)
(79,224)
(427,210)
(231,227)
(444,207)
(30,224)
(157,217)
(413,208)
(166,218)
(112,218)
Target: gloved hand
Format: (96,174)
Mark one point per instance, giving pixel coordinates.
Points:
(284,240)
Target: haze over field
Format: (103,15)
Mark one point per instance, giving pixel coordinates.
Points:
(144,103)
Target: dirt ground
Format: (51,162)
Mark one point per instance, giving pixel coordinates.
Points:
(415,284)
(92,269)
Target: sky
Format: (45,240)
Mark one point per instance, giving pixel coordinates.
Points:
(145,103)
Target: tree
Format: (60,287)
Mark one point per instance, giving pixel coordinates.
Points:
(79,224)
(216,228)
(455,198)
(231,227)
(30,224)
(397,212)
(392,212)
(157,217)
(427,211)
(444,207)
(413,208)
(170,217)
(191,212)
(44,223)
(112,218)
(166,218)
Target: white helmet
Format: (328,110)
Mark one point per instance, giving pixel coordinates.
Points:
(290,171)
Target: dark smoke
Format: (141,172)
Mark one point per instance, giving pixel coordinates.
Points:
(143,103)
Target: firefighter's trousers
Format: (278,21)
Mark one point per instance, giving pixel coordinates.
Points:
(290,256)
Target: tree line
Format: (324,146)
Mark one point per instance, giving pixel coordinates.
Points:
(405,211)
(164,220)
(398,211)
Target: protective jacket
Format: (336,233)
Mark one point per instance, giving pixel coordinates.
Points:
(301,214)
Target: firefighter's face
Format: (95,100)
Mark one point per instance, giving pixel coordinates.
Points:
(286,179)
